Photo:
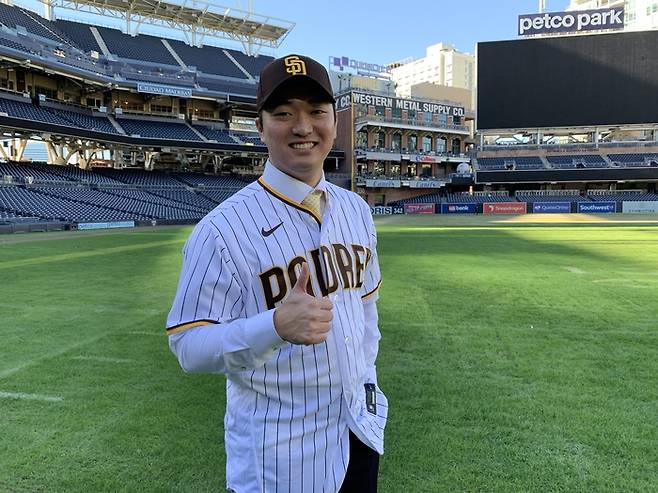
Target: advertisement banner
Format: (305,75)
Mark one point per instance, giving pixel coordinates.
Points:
(381,210)
(504,207)
(597,207)
(116,224)
(162,90)
(426,184)
(551,207)
(374,183)
(368,99)
(576,21)
(638,206)
(419,208)
(459,208)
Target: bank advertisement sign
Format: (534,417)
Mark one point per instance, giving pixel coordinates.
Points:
(572,22)
(597,207)
(504,208)
(551,207)
(459,208)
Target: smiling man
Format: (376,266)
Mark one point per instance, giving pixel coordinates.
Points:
(278,292)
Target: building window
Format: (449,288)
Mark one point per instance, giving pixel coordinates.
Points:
(396,112)
(396,141)
(457,120)
(443,120)
(362,138)
(441,144)
(456,146)
(411,114)
(412,142)
(381,140)
(427,117)
(427,143)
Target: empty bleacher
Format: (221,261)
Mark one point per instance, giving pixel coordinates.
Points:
(550,196)
(13,17)
(80,34)
(619,196)
(577,161)
(252,64)
(142,47)
(218,135)
(140,177)
(634,160)
(211,181)
(158,129)
(46,206)
(207,59)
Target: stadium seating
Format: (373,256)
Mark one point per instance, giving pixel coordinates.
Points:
(46,206)
(500,163)
(12,17)
(158,129)
(80,34)
(227,86)
(13,44)
(211,181)
(478,198)
(21,171)
(140,177)
(252,64)
(207,59)
(634,160)
(83,120)
(621,196)
(140,48)
(569,161)
(222,136)
(529,197)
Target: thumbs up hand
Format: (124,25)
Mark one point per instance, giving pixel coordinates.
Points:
(302,318)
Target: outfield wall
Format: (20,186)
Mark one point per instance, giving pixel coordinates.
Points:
(515,208)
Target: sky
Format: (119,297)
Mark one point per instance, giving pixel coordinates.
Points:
(384,31)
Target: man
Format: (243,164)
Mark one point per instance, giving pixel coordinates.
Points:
(278,291)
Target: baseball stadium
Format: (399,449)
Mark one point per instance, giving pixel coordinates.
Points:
(517,238)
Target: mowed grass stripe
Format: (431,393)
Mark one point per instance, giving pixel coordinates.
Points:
(84,254)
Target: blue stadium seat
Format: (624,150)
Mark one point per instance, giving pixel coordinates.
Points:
(141,47)
(158,129)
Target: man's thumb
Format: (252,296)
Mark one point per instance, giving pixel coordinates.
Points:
(302,280)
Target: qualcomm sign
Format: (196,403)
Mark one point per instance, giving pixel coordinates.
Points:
(360,68)
(576,21)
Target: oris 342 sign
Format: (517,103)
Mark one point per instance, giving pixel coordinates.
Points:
(575,21)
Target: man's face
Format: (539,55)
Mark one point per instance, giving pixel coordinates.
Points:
(298,130)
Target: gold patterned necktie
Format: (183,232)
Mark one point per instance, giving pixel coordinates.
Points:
(313,201)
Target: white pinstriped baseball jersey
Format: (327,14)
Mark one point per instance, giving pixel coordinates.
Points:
(289,407)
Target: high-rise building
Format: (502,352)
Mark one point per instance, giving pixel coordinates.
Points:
(639,15)
(442,65)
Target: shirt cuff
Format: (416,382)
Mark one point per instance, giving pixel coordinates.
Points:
(263,337)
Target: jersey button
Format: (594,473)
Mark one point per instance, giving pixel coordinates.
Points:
(347,339)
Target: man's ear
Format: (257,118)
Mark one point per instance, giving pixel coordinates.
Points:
(259,124)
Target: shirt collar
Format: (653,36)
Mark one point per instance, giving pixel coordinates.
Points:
(287,185)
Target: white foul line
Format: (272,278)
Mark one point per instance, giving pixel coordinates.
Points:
(31,397)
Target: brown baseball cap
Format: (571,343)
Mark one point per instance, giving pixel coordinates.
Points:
(289,67)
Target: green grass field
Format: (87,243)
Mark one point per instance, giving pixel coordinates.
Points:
(516,357)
